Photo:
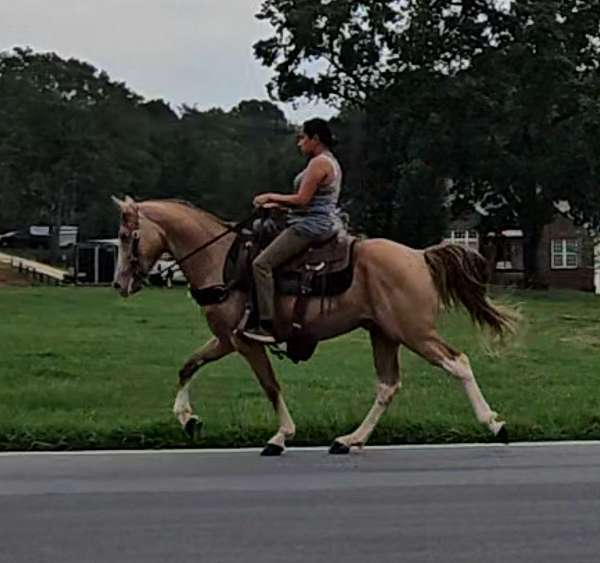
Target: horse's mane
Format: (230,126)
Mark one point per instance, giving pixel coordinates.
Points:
(190,205)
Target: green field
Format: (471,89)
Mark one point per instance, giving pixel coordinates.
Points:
(82,368)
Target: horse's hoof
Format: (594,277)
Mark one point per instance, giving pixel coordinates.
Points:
(502,436)
(272,450)
(192,427)
(337,448)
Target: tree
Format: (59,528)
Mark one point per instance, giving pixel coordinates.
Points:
(375,56)
(70,135)
(228,157)
(389,190)
(503,99)
(539,95)
(362,48)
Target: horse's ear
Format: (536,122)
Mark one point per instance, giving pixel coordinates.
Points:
(118,202)
(129,211)
(128,202)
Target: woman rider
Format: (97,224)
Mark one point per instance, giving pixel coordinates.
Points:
(313,217)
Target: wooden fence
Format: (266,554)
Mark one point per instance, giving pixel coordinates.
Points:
(37,271)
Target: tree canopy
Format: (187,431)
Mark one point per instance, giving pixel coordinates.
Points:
(501,97)
(70,137)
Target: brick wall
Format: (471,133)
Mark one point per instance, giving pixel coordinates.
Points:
(582,277)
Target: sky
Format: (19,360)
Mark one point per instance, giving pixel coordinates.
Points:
(197,52)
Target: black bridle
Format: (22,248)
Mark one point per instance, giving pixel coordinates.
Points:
(134,261)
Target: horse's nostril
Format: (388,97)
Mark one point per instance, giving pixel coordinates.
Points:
(116,285)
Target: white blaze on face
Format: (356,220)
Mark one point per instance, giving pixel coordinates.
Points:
(123,279)
(120,261)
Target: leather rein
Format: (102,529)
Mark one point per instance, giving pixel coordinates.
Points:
(135,252)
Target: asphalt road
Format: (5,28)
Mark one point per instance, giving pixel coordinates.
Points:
(474,505)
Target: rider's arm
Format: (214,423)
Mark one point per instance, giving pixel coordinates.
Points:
(314,175)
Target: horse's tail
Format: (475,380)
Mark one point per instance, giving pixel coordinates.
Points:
(461,276)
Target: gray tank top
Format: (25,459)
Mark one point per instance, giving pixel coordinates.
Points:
(320,218)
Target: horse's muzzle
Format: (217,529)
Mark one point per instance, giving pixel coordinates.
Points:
(125,290)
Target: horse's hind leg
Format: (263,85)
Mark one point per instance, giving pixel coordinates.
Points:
(437,352)
(214,349)
(385,356)
(256,356)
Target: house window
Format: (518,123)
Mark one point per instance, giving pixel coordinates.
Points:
(565,254)
(468,239)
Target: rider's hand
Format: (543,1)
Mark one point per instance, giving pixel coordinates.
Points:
(261,199)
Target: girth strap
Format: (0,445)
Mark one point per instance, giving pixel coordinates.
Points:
(210,295)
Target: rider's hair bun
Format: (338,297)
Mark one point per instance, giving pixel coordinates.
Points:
(320,127)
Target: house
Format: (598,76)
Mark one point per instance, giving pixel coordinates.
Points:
(568,256)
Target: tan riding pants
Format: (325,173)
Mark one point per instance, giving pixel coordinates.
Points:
(285,246)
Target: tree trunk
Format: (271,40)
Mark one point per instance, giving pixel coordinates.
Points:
(531,245)
(534,215)
(56,228)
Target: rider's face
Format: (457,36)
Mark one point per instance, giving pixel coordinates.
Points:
(306,144)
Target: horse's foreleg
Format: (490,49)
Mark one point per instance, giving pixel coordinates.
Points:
(213,350)
(258,360)
(385,356)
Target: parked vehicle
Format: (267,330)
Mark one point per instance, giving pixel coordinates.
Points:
(156,275)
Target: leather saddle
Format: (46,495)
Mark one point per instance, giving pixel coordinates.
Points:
(324,269)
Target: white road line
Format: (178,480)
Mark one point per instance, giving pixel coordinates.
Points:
(302,449)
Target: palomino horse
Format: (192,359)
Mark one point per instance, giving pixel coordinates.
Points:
(396,294)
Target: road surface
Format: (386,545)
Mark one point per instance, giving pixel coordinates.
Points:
(496,504)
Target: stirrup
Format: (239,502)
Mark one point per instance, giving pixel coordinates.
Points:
(259,335)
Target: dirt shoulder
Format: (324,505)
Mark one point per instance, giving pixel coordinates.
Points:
(11,277)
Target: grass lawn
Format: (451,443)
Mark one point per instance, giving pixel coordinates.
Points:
(82,368)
